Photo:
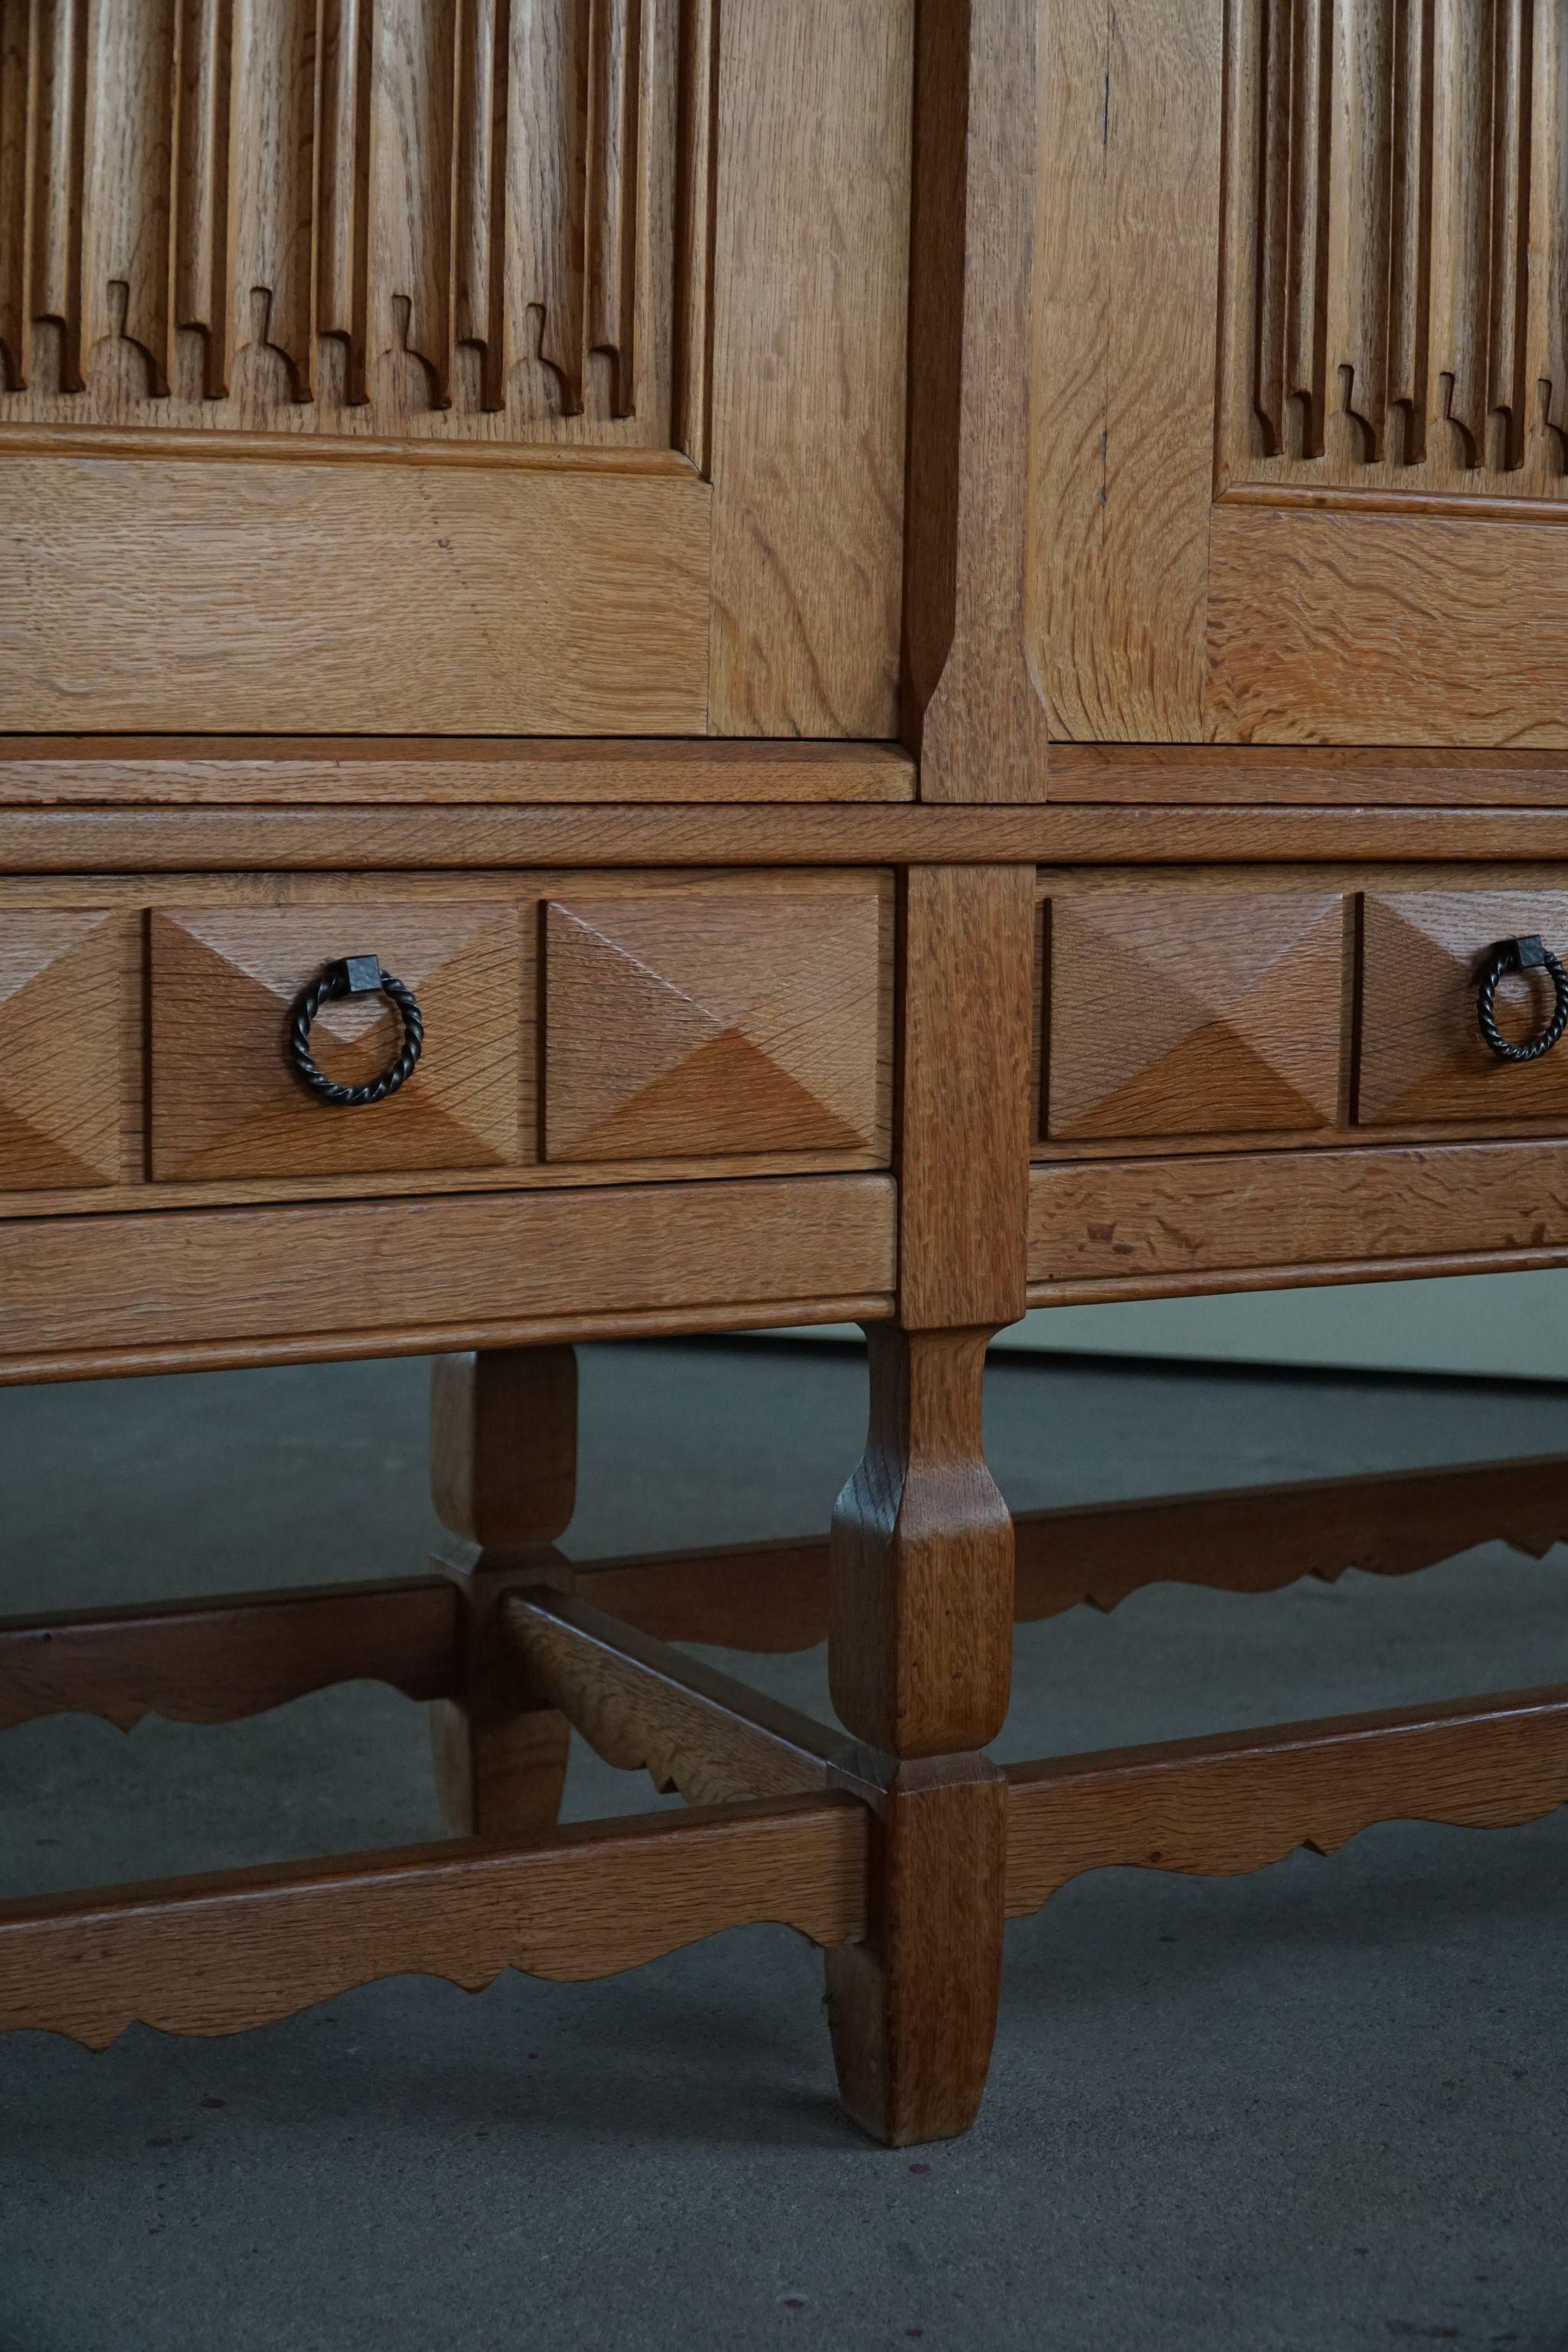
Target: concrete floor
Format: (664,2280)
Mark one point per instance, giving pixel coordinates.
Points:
(1318,2108)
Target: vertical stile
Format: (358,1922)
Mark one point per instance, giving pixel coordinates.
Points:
(694,227)
(546,182)
(1547,332)
(14,24)
(612,192)
(200,204)
(1507,305)
(273,182)
(1462,182)
(1359,218)
(341,243)
(1274,241)
(478,191)
(57,132)
(1312,124)
(126,226)
(1410,265)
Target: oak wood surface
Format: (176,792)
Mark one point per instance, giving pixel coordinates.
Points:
(1422,1056)
(323,839)
(80,1292)
(810,296)
(225,1101)
(374,601)
(1321,775)
(643,1707)
(51,771)
(503,1477)
(71,1070)
(220,1953)
(216,1660)
(972,704)
(1139,1227)
(754,1023)
(1192,1010)
(1245,1798)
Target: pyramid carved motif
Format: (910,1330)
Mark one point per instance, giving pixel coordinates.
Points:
(226,1102)
(701,1027)
(1195,1012)
(63,1011)
(1422,1056)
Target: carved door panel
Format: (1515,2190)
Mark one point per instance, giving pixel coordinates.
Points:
(1301,420)
(518,367)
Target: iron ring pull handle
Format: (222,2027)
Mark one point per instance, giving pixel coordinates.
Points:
(1526,954)
(354,976)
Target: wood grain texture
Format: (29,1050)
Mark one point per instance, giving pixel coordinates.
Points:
(966,1014)
(643,1707)
(228,596)
(774,1596)
(1214,1806)
(438,1274)
(49,772)
(70,1073)
(810,302)
(756,1023)
(226,1099)
(1185,1011)
(1124,358)
(920,1610)
(322,839)
(1383,628)
(216,1661)
(1139,1225)
(1228,775)
(1394,250)
(503,1476)
(912,2008)
(239,1949)
(452,221)
(1422,1056)
(972,704)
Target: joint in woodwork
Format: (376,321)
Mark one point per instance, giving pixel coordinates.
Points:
(920,1581)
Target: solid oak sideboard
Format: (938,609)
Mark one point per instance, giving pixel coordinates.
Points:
(676,665)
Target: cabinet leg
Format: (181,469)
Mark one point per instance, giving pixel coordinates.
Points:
(919,1657)
(503,1476)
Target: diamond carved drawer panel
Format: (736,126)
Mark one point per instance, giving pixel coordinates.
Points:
(66,1018)
(1422,1056)
(688,1024)
(1195,1011)
(226,1102)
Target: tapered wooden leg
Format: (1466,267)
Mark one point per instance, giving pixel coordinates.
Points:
(921,1601)
(503,1474)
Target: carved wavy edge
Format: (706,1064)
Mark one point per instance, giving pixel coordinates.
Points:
(1226,1806)
(222,1953)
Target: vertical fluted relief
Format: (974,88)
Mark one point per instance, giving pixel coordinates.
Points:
(341,216)
(1408,240)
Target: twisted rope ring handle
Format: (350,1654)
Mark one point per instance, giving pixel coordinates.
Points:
(1526,954)
(354,976)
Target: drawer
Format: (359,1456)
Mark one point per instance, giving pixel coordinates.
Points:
(1209,1008)
(69,1067)
(1422,1057)
(226,1100)
(571,1023)
(734,1020)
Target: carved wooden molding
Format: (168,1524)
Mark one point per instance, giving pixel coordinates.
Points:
(1213,1806)
(1398,296)
(218,1954)
(445,219)
(641,1707)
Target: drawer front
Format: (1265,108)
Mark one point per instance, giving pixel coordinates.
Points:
(1422,1057)
(1201,1010)
(226,1099)
(726,1022)
(69,1070)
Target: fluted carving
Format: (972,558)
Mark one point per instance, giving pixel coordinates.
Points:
(341,215)
(1402,217)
